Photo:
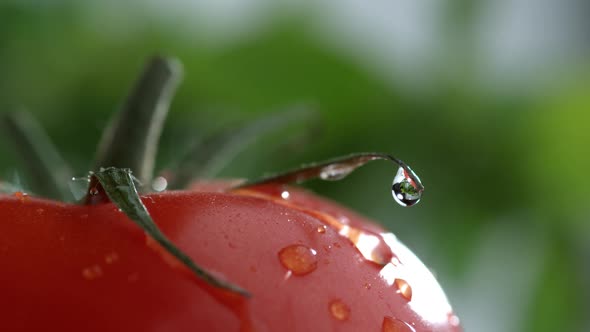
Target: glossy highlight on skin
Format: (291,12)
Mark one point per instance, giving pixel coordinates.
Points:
(401,270)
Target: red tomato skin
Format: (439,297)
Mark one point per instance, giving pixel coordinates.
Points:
(88,268)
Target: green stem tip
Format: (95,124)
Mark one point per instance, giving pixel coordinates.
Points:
(131,140)
(119,185)
(48,172)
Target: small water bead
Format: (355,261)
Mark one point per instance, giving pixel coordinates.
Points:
(111,258)
(321,229)
(159,184)
(453,319)
(92,272)
(298,259)
(22,196)
(285,194)
(403,288)
(396,325)
(406,189)
(339,310)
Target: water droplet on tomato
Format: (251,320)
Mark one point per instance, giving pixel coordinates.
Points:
(159,183)
(22,196)
(111,258)
(406,189)
(335,172)
(298,259)
(403,288)
(369,244)
(339,310)
(453,319)
(79,187)
(285,194)
(321,229)
(396,325)
(93,191)
(92,272)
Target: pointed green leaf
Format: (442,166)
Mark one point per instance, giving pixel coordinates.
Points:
(206,158)
(131,140)
(48,172)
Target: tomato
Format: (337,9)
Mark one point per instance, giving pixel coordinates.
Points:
(218,256)
(87,268)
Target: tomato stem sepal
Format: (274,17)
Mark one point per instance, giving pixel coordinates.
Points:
(117,185)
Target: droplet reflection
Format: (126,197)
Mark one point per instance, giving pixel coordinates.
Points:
(406,189)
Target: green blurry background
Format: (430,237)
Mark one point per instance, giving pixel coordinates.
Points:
(487,100)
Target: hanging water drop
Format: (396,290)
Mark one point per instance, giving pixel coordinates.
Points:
(406,189)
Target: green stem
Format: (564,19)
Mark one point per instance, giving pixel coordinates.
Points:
(131,140)
(48,172)
(119,185)
(331,170)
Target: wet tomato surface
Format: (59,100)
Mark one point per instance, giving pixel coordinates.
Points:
(308,263)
